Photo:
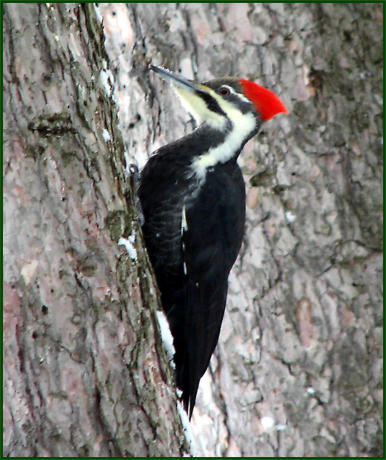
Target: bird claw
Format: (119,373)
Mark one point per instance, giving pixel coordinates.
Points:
(135,178)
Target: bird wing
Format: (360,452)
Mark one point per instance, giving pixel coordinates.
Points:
(212,230)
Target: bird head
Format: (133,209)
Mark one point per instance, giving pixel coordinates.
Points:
(225,101)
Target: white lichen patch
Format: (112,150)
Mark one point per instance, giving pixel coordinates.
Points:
(28,271)
(129,245)
(187,429)
(166,336)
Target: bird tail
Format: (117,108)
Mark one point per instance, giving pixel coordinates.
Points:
(202,323)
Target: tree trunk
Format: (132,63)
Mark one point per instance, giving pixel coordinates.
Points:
(298,369)
(85,372)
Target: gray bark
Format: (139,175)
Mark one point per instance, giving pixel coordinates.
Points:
(298,369)
(85,373)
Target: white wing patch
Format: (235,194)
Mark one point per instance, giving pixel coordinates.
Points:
(184,228)
(184,224)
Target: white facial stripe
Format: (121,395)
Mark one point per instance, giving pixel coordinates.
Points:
(231,90)
(243,125)
(223,103)
(244,98)
(197,107)
(239,95)
(199,110)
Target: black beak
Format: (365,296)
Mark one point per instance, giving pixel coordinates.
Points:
(175,79)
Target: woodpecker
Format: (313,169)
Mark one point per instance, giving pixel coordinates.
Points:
(192,195)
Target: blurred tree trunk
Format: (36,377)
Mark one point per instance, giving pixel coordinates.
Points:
(85,373)
(298,370)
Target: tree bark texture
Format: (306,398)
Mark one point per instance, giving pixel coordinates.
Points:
(85,372)
(298,369)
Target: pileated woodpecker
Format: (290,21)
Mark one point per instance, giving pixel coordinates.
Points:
(192,195)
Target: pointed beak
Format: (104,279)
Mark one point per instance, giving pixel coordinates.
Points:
(176,80)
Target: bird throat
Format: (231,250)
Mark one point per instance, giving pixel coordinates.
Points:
(242,128)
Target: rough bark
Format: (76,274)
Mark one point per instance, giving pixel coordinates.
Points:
(298,370)
(85,373)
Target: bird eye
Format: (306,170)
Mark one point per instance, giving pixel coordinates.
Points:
(224,91)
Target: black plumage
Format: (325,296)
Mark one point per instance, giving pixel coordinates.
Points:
(193,295)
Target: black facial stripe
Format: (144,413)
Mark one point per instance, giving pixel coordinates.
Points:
(211,103)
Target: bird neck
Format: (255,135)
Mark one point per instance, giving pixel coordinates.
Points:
(219,147)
